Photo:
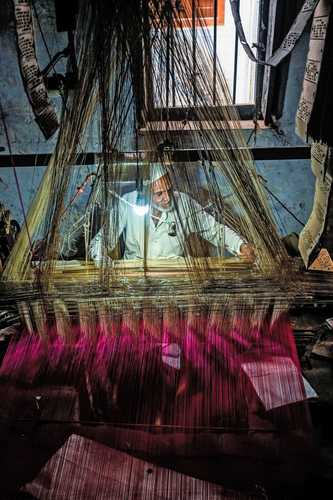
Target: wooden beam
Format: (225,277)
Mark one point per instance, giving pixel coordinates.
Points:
(194,126)
(195,113)
(179,155)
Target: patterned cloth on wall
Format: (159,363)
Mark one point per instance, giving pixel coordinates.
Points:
(316,102)
(316,231)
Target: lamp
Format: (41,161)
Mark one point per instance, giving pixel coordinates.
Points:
(141,206)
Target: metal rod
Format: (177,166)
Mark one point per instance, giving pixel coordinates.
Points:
(215,51)
(167,87)
(172,55)
(234,89)
(194,56)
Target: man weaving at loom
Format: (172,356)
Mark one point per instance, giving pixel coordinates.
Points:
(172,217)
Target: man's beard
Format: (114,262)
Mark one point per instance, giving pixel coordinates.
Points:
(167,209)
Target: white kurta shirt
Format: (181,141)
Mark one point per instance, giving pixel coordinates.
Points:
(186,217)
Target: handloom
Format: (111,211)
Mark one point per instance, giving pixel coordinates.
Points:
(163,343)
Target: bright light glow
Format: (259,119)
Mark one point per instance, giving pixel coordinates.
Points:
(141,209)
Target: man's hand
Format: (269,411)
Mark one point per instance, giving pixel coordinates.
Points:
(247,252)
(38,249)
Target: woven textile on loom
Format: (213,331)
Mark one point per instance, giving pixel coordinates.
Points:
(198,342)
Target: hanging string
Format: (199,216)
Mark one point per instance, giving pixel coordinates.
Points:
(15,175)
(281,203)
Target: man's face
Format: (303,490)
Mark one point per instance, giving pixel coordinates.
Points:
(161,192)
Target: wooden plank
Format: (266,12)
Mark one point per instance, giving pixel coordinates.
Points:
(192,126)
(180,113)
(86,469)
(178,156)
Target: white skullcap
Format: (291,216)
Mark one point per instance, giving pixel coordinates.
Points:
(157,170)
